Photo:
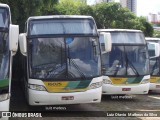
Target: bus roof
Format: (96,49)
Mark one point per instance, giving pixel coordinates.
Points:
(4,5)
(58,16)
(118,30)
(151,38)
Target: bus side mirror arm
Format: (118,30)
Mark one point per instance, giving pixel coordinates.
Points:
(23,44)
(13,38)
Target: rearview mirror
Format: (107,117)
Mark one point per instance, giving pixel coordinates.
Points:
(153,49)
(13,38)
(105,42)
(23,43)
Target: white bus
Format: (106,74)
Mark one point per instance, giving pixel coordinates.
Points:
(154,64)
(8,46)
(126,68)
(61,60)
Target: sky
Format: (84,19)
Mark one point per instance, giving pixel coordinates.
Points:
(144,7)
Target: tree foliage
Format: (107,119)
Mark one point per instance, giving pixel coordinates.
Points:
(22,9)
(156,33)
(106,15)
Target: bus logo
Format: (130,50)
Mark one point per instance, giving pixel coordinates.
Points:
(54,84)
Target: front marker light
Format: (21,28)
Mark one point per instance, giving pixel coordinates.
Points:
(106,81)
(95,85)
(4,97)
(36,87)
(145,81)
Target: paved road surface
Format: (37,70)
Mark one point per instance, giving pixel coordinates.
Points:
(150,102)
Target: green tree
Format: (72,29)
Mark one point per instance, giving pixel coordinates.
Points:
(124,19)
(147,27)
(86,10)
(156,33)
(68,7)
(105,14)
(22,9)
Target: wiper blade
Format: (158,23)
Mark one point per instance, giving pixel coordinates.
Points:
(154,66)
(75,65)
(78,69)
(132,66)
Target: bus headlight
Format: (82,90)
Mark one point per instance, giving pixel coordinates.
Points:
(145,81)
(95,85)
(106,81)
(37,87)
(4,97)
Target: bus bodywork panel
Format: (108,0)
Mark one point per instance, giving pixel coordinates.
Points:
(5,72)
(85,95)
(126,68)
(4,105)
(63,60)
(154,68)
(154,83)
(125,86)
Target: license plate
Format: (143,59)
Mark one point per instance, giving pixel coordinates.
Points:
(126,89)
(67,97)
(157,86)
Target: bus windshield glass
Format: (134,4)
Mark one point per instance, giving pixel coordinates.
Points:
(128,37)
(154,66)
(126,60)
(154,62)
(4,39)
(4,18)
(4,55)
(64,57)
(62,27)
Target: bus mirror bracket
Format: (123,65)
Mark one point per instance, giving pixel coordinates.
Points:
(23,44)
(13,38)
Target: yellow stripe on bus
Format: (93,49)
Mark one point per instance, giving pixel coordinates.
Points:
(61,87)
(55,86)
(118,80)
(154,79)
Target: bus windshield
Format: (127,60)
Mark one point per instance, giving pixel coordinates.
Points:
(4,55)
(62,27)
(154,63)
(154,66)
(4,39)
(64,57)
(127,37)
(4,18)
(126,60)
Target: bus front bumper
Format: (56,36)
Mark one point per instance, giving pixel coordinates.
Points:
(128,89)
(154,86)
(4,105)
(46,98)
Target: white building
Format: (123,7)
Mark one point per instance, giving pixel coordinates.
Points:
(154,18)
(99,1)
(130,4)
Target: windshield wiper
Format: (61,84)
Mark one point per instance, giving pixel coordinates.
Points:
(75,65)
(78,69)
(154,66)
(131,66)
